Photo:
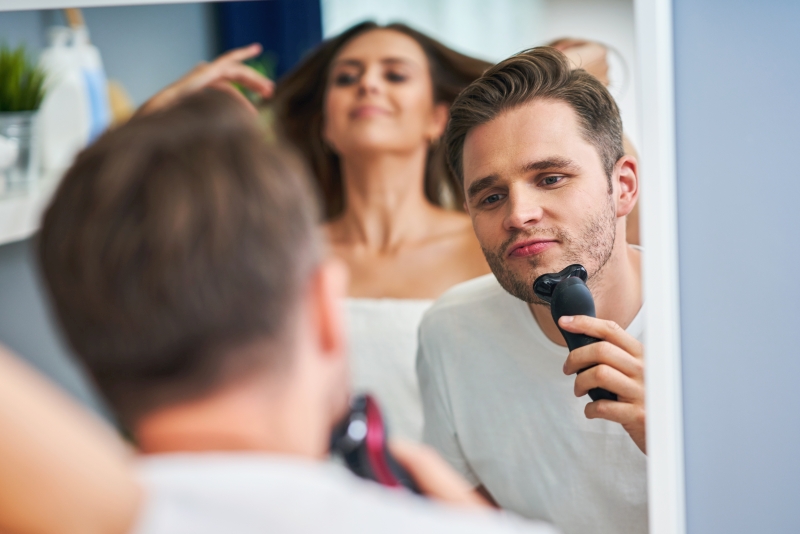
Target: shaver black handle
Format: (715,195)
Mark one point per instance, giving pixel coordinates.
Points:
(572,297)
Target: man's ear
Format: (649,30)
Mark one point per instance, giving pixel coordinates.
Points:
(627,186)
(330,290)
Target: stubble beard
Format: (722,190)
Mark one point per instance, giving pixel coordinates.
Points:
(592,249)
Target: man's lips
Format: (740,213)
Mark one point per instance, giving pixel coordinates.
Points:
(530,247)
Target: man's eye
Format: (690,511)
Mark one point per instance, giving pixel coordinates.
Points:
(395,77)
(344,79)
(552,180)
(491,199)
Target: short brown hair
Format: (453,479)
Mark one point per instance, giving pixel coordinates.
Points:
(300,97)
(172,240)
(537,73)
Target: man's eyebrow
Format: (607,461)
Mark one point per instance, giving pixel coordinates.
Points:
(479,185)
(550,163)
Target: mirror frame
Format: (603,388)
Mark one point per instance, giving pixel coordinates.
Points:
(659,220)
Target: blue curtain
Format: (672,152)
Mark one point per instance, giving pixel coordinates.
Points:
(287,29)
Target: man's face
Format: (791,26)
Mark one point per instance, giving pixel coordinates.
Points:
(538,195)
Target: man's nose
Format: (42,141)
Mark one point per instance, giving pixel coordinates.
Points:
(523,210)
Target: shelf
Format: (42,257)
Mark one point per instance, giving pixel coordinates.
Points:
(20,212)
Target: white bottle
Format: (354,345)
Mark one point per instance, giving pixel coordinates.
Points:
(96,84)
(65,117)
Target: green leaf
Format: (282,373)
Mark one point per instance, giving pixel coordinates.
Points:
(21,80)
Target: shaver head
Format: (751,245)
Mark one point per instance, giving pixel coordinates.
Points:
(546,284)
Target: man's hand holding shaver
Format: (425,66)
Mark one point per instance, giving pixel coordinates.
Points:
(616,363)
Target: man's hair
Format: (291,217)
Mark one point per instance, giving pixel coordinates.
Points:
(171,242)
(538,73)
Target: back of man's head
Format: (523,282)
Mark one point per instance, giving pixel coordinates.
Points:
(172,241)
(538,73)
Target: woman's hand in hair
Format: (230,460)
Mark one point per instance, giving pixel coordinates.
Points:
(590,56)
(434,477)
(220,74)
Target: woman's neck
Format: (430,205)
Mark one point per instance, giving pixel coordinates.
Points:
(385,203)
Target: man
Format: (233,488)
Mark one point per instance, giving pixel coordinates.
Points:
(538,148)
(185,265)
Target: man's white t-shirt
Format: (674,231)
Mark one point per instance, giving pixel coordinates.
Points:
(499,408)
(251,493)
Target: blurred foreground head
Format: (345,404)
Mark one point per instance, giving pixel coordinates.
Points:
(182,255)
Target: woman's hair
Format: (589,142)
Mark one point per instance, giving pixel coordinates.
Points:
(299,106)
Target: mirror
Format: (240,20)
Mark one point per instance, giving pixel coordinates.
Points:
(483,415)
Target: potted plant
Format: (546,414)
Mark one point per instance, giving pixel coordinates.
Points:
(21,94)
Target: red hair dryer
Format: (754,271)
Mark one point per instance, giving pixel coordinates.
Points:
(360,439)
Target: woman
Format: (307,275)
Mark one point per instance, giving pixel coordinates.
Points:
(367,109)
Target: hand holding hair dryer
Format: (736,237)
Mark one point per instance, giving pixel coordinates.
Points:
(361,438)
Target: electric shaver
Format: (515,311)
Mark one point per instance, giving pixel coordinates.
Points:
(567,294)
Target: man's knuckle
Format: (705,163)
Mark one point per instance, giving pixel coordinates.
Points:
(603,373)
(601,409)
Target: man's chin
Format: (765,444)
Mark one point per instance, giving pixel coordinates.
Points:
(517,285)
(519,281)
(517,274)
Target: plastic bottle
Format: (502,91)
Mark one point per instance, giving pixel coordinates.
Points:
(96,84)
(65,121)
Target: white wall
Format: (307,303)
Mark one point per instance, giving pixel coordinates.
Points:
(488,30)
(610,22)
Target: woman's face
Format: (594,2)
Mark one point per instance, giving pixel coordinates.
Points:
(380,97)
